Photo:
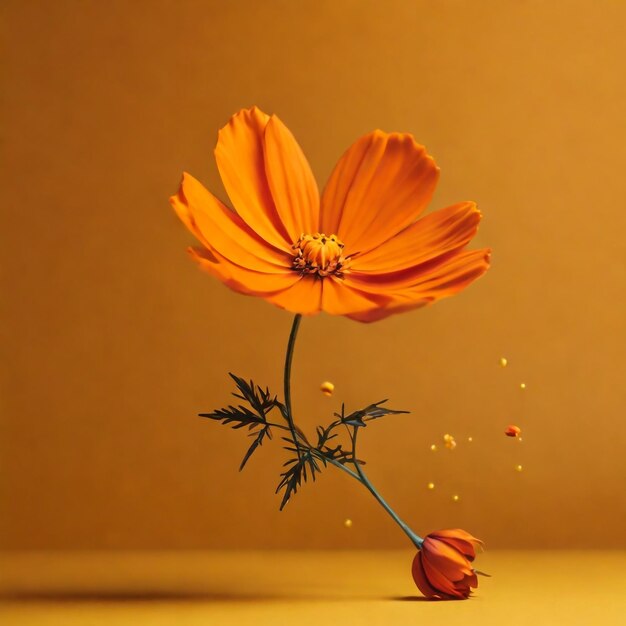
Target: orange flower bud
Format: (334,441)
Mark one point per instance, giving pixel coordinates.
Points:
(442,569)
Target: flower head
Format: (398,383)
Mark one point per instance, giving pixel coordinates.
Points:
(442,569)
(359,250)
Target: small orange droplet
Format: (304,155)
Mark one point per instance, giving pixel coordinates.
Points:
(455,498)
(522,386)
(518,468)
(347,523)
(433,447)
(431,485)
(512,431)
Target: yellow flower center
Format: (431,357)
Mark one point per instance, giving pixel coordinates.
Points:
(319,254)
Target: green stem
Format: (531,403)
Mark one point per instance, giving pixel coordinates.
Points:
(341,466)
(297,433)
(287,379)
(315,452)
(416,539)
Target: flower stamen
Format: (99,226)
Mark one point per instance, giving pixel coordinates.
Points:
(320,254)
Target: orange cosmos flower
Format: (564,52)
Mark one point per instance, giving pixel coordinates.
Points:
(358,251)
(442,569)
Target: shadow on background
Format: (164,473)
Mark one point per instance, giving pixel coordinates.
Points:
(153,595)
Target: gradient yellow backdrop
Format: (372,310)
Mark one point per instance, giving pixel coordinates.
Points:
(113,340)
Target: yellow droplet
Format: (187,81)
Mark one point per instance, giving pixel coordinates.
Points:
(520,439)
(347,523)
(431,485)
(470,439)
(455,498)
(433,448)
(522,386)
(450,443)
(327,388)
(503,361)
(518,468)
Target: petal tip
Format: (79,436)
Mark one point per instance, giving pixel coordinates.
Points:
(243,114)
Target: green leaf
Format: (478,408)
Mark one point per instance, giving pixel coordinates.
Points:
(260,435)
(259,399)
(370,412)
(296,474)
(254,416)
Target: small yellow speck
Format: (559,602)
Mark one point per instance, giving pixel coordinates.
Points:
(522,386)
(503,361)
(520,439)
(518,468)
(455,498)
(347,523)
(431,485)
(450,443)
(470,439)
(327,388)
(433,448)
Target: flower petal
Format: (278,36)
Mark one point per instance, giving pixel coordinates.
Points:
(380,313)
(433,280)
(446,559)
(338,298)
(431,236)
(179,203)
(241,279)
(455,533)
(446,568)
(378,187)
(410,291)
(291,181)
(304,296)
(210,264)
(470,580)
(220,229)
(438,580)
(459,539)
(423,584)
(241,162)
(462,546)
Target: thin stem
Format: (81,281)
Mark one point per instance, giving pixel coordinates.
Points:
(296,433)
(316,453)
(341,466)
(415,539)
(287,380)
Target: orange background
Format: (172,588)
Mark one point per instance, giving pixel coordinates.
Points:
(113,340)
